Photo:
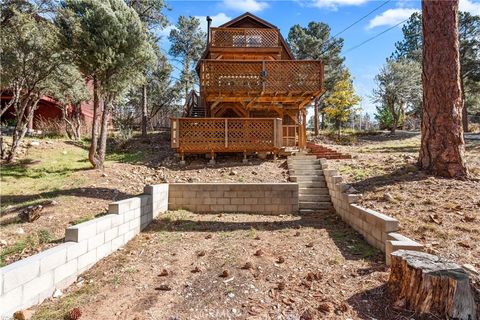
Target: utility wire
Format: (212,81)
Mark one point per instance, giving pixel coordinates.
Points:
(375,36)
(351,25)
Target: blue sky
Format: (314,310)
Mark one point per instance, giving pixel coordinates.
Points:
(363,62)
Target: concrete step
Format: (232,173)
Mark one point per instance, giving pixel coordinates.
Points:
(305,172)
(308,178)
(313,211)
(315,205)
(305,166)
(313,191)
(311,184)
(302,157)
(314,197)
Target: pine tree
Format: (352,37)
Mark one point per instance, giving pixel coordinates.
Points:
(442,144)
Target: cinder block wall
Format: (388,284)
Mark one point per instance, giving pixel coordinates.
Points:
(266,198)
(31,280)
(378,229)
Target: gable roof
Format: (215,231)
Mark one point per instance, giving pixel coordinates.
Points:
(246,16)
(249,16)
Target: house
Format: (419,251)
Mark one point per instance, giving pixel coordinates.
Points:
(48,109)
(253,92)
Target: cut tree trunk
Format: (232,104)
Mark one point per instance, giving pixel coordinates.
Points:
(442,147)
(425,283)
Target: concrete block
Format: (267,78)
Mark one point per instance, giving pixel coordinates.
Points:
(20,272)
(104,223)
(394,245)
(87,260)
(129,235)
(38,288)
(223,200)
(77,249)
(104,250)
(65,271)
(124,228)
(237,201)
(54,257)
(82,231)
(96,241)
(117,219)
(10,302)
(111,233)
(118,242)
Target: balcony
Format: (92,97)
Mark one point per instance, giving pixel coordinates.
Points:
(237,77)
(244,38)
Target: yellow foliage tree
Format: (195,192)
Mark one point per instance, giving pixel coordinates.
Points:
(341,102)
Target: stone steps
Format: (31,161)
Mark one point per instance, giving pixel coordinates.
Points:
(315,205)
(313,196)
(313,191)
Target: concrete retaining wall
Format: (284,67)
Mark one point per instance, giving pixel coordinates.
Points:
(378,229)
(265,198)
(31,280)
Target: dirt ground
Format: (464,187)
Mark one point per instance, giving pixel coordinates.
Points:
(188,266)
(442,214)
(58,170)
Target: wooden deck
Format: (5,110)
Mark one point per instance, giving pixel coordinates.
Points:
(212,135)
(276,78)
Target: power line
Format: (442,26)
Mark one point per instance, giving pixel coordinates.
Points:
(351,25)
(375,36)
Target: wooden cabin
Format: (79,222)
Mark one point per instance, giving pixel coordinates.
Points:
(253,92)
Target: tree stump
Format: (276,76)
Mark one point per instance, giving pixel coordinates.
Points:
(31,213)
(425,283)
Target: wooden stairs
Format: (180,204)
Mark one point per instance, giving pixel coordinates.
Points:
(325,153)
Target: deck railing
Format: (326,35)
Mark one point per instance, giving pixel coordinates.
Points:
(244,38)
(207,135)
(226,76)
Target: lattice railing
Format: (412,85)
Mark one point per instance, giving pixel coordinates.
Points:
(244,38)
(226,134)
(219,76)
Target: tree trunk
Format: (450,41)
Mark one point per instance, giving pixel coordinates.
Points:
(24,116)
(464,108)
(92,152)
(442,146)
(102,148)
(425,283)
(144,111)
(315,116)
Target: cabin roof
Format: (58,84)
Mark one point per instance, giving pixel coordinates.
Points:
(248,16)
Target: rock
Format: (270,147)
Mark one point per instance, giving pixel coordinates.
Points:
(231,295)
(163,273)
(34,143)
(233,173)
(57,294)
(224,274)
(23,315)
(388,197)
(104,175)
(3,243)
(51,203)
(19,231)
(254,173)
(163,287)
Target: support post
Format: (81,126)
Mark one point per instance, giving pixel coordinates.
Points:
(212,158)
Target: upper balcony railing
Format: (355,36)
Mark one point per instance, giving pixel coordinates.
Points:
(244,38)
(236,76)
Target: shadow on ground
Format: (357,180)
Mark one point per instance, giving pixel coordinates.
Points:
(351,244)
(87,192)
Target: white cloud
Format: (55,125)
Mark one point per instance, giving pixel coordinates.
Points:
(334,4)
(391,17)
(218,19)
(165,32)
(245,5)
(470,6)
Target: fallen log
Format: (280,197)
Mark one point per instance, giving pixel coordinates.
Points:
(425,283)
